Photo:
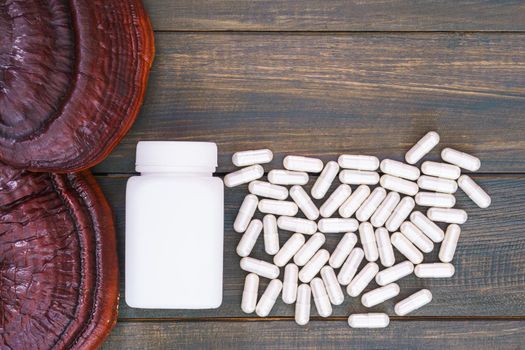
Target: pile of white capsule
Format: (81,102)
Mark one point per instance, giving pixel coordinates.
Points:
(383,219)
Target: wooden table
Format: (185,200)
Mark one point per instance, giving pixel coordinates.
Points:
(322,78)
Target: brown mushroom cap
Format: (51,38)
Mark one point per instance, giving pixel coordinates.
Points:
(58,263)
(72,78)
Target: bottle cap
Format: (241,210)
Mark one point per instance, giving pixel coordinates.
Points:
(176,156)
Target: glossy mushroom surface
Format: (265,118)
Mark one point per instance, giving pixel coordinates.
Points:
(58,263)
(72,79)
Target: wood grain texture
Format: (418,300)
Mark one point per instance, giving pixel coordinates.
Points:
(323,95)
(336,15)
(318,335)
(490,264)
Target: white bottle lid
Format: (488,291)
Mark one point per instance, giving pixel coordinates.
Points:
(176,156)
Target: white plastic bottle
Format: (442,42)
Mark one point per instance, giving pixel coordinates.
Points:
(174,227)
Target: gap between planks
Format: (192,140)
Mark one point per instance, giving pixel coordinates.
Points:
(337,32)
(318,318)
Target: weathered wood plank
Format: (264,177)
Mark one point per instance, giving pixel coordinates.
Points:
(336,15)
(429,335)
(490,264)
(324,95)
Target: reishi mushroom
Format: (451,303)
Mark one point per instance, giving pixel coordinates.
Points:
(72,79)
(58,261)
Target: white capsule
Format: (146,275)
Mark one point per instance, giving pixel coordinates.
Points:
(405,247)
(340,253)
(302,306)
(286,177)
(400,213)
(249,238)
(422,147)
(336,199)
(321,300)
(358,177)
(324,181)
(259,156)
(249,294)
(314,265)
(337,225)
(259,267)
(448,247)
(371,320)
(291,272)
(309,249)
(370,205)
(384,246)
(243,176)
(447,171)
(434,270)
(289,223)
(304,202)
(271,235)
(399,169)
(333,288)
(435,199)
(245,214)
(362,279)
(272,206)
(268,190)
(413,302)
(379,295)
(349,207)
(268,298)
(448,215)
(418,238)
(437,184)
(306,164)
(398,184)
(386,208)
(429,228)
(394,273)
(349,268)
(368,241)
(474,191)
(288,250)
(461,159)
(358,162)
